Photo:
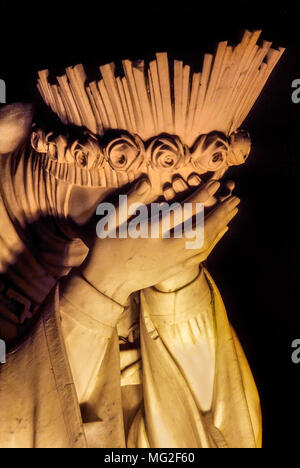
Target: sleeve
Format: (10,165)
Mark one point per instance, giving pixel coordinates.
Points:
(178,352)
(88,320)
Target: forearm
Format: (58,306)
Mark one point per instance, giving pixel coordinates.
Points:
(88,322)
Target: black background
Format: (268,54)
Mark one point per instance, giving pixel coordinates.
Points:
(256,266)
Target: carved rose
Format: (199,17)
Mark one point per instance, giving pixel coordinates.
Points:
(125,152)
(167,153)
(240,147)
(43,143)
(209,152)
(87,154)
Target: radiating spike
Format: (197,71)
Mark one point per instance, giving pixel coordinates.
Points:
(178,78)
(129,104)
(185,97)
(220,90)
(157,95)
(165,88)
(207,62)
(152,100)
(107,104)
(100,129)
(43,76)
(141,87)
(78,79)
(66,91)
(108,74)
(66,106)
(128,123)
(192,107)
(127,65)
(215,72)
(100,105)
(59,104)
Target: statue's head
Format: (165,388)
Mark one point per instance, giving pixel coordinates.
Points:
(160,121)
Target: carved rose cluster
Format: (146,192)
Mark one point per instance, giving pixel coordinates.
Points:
(165,153)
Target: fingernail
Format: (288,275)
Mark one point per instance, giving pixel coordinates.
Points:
(194,180)
(235,200)
(179,185)
(169,193)
(212,186)
(142,187)
(230,185)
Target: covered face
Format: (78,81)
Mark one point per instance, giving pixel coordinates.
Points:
(95,167)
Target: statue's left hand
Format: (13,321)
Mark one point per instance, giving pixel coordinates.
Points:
(15,125)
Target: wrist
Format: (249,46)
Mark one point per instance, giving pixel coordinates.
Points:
(107,286)
(180,280)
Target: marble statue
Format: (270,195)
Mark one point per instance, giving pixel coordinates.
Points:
(124,342)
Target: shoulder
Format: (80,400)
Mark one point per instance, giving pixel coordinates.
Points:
(15,124)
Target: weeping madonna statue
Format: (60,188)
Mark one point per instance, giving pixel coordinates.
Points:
(124,342)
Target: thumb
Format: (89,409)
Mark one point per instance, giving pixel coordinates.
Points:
(141,192)
(197,259)
(139,195)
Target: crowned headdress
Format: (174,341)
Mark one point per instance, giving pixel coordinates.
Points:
(167,116)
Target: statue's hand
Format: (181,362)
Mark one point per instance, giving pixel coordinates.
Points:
(187,275)
(15,124)
(118,267)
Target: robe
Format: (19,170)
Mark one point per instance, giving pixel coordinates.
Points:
(167,370)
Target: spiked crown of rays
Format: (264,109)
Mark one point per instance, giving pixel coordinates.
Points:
(167,116)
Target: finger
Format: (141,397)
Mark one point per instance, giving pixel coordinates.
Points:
(197,259)
(178,216)
(214,228)
(140,194)
(204,192)
(179,185)
(194,180)
(220,217)
(141,191)
(210,202)
(169,193)
(230,185)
